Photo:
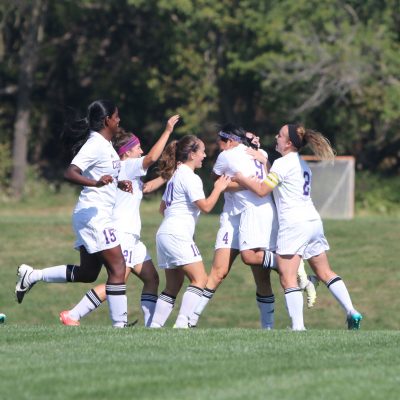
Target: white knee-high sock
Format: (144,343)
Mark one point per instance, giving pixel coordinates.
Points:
(294,305)
(164,306)
(190,299)
(118,304)
(201,305)
(340,292)
(89,302)
(266,305)
(148,303)
(56,274)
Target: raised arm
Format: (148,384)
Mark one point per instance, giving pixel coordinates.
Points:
(206,205)
(156,151)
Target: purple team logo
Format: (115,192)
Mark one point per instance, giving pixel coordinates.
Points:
(116,164)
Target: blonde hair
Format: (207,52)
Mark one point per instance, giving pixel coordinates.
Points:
(319,144)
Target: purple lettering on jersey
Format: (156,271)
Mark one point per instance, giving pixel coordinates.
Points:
(109,235)
(306,186)
(169,196)
(259,170)
(116,164)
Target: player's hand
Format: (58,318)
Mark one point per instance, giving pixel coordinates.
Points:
(104,180)
(171,123)
(255,140)
(125,186)
(238,177)
(222,182)
(257,155)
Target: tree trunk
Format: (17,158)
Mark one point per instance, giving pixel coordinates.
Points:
(33,12)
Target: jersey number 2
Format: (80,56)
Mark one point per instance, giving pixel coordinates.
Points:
(306,186)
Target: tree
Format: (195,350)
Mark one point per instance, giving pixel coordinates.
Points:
(32,14)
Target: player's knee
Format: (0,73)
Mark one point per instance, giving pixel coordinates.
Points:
(219,275)
(86,276)
(151,279)
(246,258)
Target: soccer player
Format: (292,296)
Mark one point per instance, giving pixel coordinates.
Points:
(301,234)
(128,225)
(177,253)
(95,166)
(248,224)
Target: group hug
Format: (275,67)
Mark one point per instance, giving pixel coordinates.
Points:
(268,218)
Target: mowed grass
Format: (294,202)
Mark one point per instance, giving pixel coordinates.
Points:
(227,357)
(53,362)
(364,251)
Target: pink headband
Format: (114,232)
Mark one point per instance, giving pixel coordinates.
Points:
(133,141)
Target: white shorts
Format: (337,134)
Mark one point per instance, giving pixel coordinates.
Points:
(258,227)
(94,229)
(174,251)
(305,238)
(133,249)
(228,233)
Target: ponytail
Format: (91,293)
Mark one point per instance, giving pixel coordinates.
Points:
(76,130)
(177,152)
(319,144)
(167,161)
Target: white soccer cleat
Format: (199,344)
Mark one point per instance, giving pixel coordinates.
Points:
(23,284)
(311,291)
(302,278)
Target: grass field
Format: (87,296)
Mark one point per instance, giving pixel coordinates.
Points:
(95,361)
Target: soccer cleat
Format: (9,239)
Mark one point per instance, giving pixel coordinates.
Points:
(310,290)
(23,284)
(180,326)
(67,320)
(302,278)
(354,320)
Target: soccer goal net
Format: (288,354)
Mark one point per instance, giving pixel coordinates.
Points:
(333,186)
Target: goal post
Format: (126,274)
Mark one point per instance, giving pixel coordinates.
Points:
(332,186)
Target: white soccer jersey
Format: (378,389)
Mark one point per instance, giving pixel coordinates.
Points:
(234,160)
(181,214)
(95,159)
(126,212)
(290,176)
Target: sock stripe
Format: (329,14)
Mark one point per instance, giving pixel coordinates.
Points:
(292,290)
(209,293)
(94,299)
(149,297)
(70,272)
(333,280)
(265,299)
(195,290)
(167,298)
(116,289)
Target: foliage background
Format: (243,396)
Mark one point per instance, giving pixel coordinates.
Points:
(330,64)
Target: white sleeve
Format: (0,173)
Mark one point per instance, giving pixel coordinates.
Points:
(195,189)
(264,153)
(278,169)
(134,167)
(220,165)
(86,157)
